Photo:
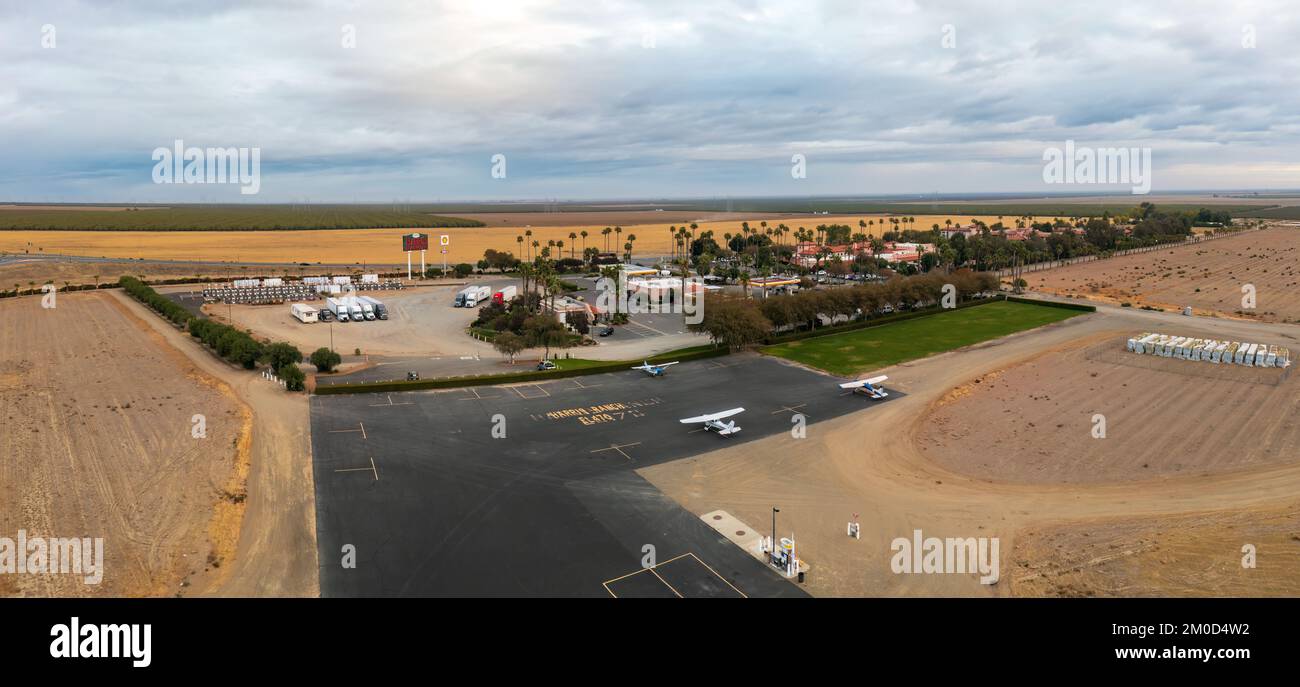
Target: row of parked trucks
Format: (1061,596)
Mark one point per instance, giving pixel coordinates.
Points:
(474,296)
(1210,350)
(344,309)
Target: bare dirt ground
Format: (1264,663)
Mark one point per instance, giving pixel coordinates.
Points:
(276,550)
(1033,423)
(870,463)
(97,442)
(1207,276)
(1194,555)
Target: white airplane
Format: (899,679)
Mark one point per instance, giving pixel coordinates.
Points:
(868,387)
(714,422)
(654,370)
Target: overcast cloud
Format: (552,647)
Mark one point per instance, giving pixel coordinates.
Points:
(618,99)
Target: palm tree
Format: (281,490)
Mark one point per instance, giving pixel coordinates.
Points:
(606,232)
(573,239)
(584,242)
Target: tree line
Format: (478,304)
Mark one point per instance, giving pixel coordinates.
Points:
(234,345)
(740,321)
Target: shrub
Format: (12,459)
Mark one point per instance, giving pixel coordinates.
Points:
(325,360)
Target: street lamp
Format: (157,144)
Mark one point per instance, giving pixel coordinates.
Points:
(771,554)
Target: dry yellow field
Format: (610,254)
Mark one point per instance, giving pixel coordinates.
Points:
(383,246)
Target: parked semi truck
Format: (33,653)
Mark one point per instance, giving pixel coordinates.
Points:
(472,296)
(339,307)
(380,310)
(505,295)
(354,309)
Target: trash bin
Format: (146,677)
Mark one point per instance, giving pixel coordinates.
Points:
(801,574)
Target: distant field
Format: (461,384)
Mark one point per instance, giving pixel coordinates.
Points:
(874,348)
(221,218)
(383,246)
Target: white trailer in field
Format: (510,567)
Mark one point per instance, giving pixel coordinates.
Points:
(274,281)
(1219,350)
(305,313)
(370,279)
(1261,355)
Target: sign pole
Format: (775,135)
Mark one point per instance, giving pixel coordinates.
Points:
(408,266)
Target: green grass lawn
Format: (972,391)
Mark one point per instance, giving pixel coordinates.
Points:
(873,348)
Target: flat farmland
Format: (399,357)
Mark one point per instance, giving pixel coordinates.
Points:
(97,440)
(383,246)
(1207,276)
(1033,422)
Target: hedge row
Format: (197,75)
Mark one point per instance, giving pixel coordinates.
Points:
(161,304)
(232,344)
(1053,304)
(685,355)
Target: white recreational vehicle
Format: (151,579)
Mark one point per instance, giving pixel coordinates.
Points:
(305,313)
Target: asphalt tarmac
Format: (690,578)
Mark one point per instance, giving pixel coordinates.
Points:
(532,491)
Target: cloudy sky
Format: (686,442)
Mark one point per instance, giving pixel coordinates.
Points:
(619,99)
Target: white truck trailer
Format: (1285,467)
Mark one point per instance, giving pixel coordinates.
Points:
(380,310)
(505,295)
(305,313)
(472,296)
(339,307)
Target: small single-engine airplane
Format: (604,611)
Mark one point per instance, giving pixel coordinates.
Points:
(654,370)
(868,387)
(714,422)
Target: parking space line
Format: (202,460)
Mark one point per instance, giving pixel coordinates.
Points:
(390,403)
(792,409)
(654,572)
(545,393)
(344,431)
(619,448)
(372,469)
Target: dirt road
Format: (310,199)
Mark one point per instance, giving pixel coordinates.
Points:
(276,553)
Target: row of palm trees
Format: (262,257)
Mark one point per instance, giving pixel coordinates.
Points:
(530,249)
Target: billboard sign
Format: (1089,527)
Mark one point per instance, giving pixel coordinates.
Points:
(413,242)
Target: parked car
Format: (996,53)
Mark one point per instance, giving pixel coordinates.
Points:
(412,376)
(546,365)
(607,331)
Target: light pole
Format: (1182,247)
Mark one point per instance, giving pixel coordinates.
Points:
(772,548)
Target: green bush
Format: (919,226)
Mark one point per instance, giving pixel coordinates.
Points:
(325,360)
(293,377)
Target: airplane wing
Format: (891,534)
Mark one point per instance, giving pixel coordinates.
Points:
(644,367)
(713,416)
(667,364)
(863,382)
